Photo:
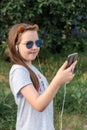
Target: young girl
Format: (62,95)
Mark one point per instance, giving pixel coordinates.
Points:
(33,95)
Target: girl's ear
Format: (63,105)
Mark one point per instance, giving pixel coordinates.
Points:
(16,47)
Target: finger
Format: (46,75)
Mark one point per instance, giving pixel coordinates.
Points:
(64,65)
(74,63)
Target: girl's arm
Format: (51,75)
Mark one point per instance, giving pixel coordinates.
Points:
(40,102)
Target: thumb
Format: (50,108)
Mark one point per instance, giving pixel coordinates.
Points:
(64,65)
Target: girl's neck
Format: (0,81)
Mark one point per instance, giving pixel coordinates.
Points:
(29,63)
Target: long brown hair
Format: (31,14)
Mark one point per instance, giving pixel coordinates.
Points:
(14,39)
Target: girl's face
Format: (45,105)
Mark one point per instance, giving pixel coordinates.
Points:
(31,53)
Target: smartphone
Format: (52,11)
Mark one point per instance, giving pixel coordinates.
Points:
(71,58)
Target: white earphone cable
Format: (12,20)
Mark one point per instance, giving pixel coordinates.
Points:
(61,116)
(39,65)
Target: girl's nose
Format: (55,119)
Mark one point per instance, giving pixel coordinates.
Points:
(34,45)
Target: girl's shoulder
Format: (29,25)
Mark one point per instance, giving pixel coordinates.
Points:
(17,67)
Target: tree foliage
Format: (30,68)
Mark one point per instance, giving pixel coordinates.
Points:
(54,17)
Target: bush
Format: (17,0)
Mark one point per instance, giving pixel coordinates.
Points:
(7,111)
(55,25)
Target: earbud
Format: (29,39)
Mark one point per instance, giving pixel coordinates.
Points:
(16,47)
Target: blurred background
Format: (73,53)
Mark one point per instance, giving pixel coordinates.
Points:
(63,29)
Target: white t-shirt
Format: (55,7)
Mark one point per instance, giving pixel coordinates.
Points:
(27,117)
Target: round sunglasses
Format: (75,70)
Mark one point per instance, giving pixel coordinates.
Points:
(30,44)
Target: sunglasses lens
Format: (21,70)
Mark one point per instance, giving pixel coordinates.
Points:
(38,43)
(29,44)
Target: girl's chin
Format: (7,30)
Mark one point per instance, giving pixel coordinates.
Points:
(32,58)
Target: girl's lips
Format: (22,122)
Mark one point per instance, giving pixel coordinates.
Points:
(32,52)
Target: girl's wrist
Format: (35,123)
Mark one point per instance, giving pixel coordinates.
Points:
(57,81)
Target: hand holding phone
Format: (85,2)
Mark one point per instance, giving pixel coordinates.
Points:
(71,58)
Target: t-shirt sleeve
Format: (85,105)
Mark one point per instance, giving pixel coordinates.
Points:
(19,78)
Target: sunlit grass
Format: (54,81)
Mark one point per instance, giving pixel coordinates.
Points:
(70,121)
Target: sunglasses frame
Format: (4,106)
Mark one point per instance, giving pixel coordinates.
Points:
(30,44)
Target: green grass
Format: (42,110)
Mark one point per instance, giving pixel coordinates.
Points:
(70,121)
(75,110)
